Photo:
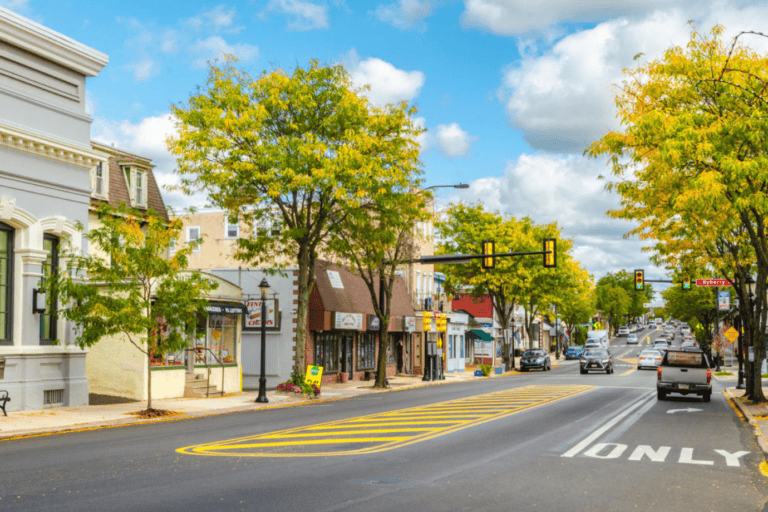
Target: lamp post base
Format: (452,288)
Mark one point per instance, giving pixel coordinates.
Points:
(741,385)
(262,398)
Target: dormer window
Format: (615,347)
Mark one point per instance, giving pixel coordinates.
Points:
(136,181)
(100,180)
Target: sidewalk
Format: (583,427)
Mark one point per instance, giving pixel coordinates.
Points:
(62,419)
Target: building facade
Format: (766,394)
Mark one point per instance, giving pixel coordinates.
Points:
(46,160)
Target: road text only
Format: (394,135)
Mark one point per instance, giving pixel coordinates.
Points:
(686,456)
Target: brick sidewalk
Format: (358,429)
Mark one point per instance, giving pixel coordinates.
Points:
(755,415)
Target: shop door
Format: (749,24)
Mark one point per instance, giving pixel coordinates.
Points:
(346,356)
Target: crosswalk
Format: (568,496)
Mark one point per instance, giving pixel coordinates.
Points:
(387,430)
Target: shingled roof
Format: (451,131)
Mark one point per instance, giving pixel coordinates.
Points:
(118,188)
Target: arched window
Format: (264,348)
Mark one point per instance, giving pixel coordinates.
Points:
(6,283)
(50,268)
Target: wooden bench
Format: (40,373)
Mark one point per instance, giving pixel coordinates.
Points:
(4,398)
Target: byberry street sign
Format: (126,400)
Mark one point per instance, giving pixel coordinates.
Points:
(712,282)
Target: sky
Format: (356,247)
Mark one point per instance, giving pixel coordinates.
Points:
(511,92)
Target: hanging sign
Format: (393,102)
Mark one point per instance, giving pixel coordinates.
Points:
(410,324)
(253,318)
(373,323)
(724,300)
(335,279)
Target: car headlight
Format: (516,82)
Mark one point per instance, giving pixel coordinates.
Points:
(540,360)
(606,361)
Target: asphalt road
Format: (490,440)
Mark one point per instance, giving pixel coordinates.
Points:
(545,441)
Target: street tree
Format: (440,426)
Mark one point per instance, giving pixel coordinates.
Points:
(695,307)
(298,152)
(129,286)
(693,138)
(577,302)
(613,301)
(635,298)
(377,241)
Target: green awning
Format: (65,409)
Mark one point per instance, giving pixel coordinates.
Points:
(478,334)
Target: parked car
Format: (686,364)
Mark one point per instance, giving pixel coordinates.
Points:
(632,339)
(535,358)
(596,359)
(661,344)
(685,371)
(623,330)
(574,352)
(649,358)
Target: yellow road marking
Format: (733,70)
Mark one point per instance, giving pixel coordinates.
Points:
(764,468)
(627,372)
(342,435)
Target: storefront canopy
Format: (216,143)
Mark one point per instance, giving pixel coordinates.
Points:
(478,334)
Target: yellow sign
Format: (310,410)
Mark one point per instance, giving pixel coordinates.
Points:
(314,375)
(732,334)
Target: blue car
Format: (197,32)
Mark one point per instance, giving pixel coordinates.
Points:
(574,352)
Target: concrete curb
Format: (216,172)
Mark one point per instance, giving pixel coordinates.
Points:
(761,439)
(125,422)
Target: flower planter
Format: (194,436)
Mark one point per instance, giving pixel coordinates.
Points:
(343,378)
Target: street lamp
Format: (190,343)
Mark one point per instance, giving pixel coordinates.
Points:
(751,289)
(460,185)
(264,288)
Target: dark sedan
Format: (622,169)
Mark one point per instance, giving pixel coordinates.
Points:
(598,359)
(535,358)
(574,352)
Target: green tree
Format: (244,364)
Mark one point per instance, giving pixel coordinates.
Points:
(299,152)
(695,307)
(377,241)
(613,304)
(131,287)
(577,302)
(688,163)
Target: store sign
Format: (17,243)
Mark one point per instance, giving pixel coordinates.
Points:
(314,375)
(253,318)
(410,324)
(335,279)
(373,324)
(224,310)
(352,321)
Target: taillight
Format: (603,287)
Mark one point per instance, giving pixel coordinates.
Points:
(658,373)
(709,375)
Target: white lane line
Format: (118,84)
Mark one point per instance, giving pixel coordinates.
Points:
(597,433)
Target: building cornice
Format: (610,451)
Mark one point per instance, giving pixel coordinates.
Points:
(46,147)
(49,44)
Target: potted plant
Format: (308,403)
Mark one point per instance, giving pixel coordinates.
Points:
(343,378)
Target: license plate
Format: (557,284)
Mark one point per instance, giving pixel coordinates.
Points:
(682,386)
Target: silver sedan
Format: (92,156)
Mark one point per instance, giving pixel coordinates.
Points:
(649,359)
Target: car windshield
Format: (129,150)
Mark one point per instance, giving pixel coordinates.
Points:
(597,353)
(534,353)
(650,353)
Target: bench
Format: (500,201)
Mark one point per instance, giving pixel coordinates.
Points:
(4,398)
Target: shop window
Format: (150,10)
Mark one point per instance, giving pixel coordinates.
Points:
(366,352)
(6,279)
(50,268)
(328,351)
(391,350)
(222,332)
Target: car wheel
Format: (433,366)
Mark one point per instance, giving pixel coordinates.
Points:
(583,372)
(707,396)
(661,394)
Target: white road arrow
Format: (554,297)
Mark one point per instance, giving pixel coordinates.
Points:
(690,409)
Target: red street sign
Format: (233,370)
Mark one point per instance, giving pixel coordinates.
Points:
(712,282)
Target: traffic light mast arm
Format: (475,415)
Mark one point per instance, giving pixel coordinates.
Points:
(459,258)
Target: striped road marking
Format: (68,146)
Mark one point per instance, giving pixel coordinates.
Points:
(387,430)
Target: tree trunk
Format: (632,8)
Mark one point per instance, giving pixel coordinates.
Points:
(381,365)
(305,282)
(149,377)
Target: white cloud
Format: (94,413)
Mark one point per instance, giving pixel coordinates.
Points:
(388,84)
(406,14)
(144,69)
(303,15)
(215,47)
(17,6)
(563,100)
(515,17)
(218,19)
(454,141)
(146,138)
(566,190)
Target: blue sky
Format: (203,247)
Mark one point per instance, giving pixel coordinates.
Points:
(510,91)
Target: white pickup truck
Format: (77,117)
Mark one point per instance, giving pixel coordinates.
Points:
(685,371)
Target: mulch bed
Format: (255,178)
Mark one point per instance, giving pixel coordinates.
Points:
(97,399)
(148,414)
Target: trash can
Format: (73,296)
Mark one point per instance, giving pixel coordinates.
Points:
(2,367)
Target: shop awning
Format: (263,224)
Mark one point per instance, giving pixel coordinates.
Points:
(479,335)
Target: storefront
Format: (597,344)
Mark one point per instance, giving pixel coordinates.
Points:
(208,366)
(455,345)
(344,331)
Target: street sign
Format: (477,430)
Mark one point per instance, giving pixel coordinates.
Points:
(712,282)
(732,334)
(724,300)
(647,305)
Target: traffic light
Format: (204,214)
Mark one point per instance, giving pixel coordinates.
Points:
(489,248)
(686,283)
(427,321)
(639,280)
(550,253)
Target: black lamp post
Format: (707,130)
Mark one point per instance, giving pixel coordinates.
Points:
(264,288)
(751,289)
(557,336)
